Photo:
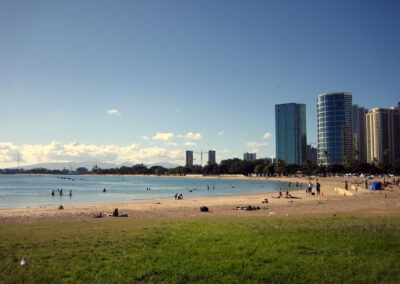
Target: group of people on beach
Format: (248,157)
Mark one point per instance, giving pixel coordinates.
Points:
(395,181)
(178,196)
(310,187)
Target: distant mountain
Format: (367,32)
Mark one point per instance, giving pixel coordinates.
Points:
(89,165)
(73,165)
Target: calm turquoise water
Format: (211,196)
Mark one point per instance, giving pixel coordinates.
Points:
(35,190)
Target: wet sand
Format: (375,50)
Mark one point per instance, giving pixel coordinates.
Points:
(332,203)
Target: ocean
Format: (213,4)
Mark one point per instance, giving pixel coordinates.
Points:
(24,191)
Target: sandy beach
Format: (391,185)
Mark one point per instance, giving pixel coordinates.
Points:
(354,202)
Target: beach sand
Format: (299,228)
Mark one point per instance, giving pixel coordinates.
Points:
(331,204)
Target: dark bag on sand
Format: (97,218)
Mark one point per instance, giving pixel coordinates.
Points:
(203,209)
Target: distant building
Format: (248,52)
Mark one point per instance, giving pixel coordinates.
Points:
(189,158)
(291,133)
(335,127)
(211,157)
(312,154)
(359,134)
(383,135)
(249,156)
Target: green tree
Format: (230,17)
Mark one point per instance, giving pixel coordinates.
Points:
(269,169)
(280,167)
(307,166)
(258,170)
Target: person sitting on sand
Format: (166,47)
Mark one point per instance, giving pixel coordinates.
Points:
(287,193)
(115,213)
(100,215)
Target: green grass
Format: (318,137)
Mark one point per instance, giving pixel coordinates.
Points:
(219,250)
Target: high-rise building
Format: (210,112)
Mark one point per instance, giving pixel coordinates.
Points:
(335,127)
(291,133)
(312,154)
(189,158)
(383,135)
(249,156)
(211,157)
(359,134)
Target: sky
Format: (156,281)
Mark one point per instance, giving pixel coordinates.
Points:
(143,81)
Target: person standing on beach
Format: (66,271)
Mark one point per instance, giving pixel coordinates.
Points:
(310,185)
(345,185)
(318,187)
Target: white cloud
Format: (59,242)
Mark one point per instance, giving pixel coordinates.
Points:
(114,112)
(266,135)
(77,152)
(171,144)
(254,150)
(220,133)
(179,136)
(226,151)
(190,144)
(163,136)
(254,144)
(145,137)
(193,136)
(9,153)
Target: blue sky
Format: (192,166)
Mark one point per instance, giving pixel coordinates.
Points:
(214,69)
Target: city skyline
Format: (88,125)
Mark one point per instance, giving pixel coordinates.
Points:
(143,82)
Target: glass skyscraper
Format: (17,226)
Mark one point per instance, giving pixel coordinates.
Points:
(335,127)
(291,133)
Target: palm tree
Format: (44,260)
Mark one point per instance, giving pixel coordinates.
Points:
(347,162)
(356,154)
(326,155)
(386,153)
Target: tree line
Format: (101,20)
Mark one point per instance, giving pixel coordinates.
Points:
(235,166)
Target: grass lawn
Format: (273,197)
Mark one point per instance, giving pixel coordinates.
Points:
(218,250)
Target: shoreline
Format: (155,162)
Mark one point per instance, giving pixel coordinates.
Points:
(331,204)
